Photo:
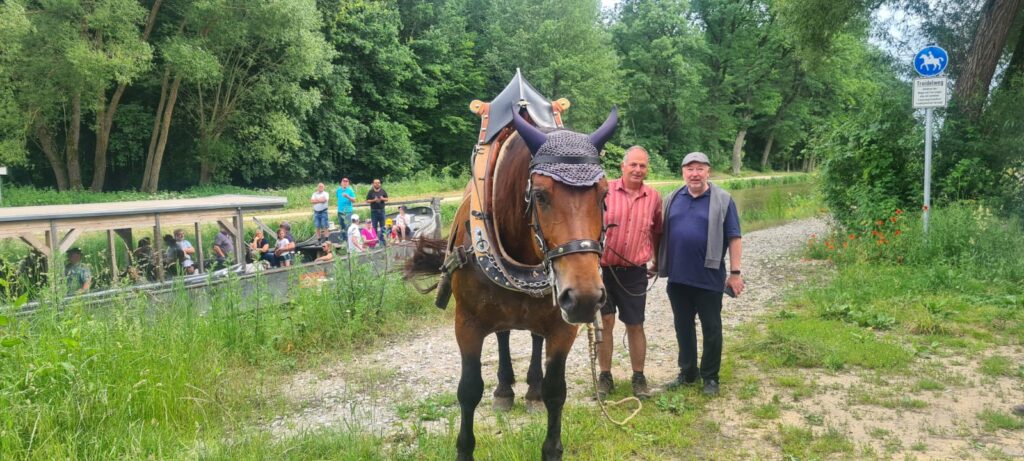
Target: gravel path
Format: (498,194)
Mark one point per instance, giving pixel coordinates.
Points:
(371,391)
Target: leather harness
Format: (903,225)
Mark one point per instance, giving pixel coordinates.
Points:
(483,245)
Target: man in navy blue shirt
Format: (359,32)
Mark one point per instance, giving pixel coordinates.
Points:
(700,225)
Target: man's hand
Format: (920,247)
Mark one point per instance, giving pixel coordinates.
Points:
(735,281)
(652,268)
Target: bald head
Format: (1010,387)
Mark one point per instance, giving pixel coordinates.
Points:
(634,167)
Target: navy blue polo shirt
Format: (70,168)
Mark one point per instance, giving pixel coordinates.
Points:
(687,222)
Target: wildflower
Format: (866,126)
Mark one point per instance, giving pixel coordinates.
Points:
(892,219)
(846,244)
(897,232)
(875,233)
(925,208)
(879,222)
(853,236)
(899,211)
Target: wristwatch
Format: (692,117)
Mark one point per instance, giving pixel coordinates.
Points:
(734,272)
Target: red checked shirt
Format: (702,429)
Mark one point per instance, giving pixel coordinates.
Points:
(636,219)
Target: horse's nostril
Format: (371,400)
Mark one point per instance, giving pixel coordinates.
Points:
(567,300)
(603,299)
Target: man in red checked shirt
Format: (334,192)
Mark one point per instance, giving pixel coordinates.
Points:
(634,219)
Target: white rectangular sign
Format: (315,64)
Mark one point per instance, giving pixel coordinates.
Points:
(929,92)
(3,171)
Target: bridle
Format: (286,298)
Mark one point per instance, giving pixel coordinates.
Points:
(572,246)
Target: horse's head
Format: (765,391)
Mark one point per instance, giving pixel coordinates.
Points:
(566,206)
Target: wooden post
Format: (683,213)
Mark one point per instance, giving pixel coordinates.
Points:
(51,240)
(113,256)
(158,239)
(199,249)
(239,238)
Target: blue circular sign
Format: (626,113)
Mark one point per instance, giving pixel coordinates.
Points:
(931,61)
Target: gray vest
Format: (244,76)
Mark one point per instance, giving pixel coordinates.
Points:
(716,228)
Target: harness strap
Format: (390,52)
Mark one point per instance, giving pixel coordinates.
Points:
(575,246)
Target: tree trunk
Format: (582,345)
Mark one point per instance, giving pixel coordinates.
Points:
(1015,69)
(972,85)
(206,165)
(105,114)
(165,131)
(154,135)
(49,148)
(71,143)
(767,152)
(737,151)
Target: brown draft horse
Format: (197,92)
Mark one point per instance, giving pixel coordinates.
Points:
(557,225)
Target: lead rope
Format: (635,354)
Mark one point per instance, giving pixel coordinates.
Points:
(592,343)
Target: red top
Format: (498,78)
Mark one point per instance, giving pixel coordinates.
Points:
(637,219)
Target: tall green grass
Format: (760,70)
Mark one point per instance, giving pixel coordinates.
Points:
(136,380)
(900,293)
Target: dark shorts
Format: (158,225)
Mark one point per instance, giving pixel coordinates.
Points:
(619,282)
(320,219)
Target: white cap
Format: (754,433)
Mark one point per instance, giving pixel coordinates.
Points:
(355,217)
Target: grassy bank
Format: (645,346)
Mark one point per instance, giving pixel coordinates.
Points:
(142,381)
(910,330)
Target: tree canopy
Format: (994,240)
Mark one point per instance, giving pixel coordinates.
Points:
(156,94)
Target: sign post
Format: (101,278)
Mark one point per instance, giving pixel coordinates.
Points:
(3,172)
(929,93)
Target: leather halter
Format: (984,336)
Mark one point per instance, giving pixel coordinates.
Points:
(572,246)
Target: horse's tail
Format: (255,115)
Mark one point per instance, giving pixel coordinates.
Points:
(426,260)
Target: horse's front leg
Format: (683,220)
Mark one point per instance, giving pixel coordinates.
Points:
(535,375)
(471,384)
(504,395)
(553,391)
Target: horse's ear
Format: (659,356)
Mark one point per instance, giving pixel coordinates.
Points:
(606,130)
(534,138)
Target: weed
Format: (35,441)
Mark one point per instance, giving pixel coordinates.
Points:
(432,408)
(997,365)
(929,385)
(994,420)
(770,410)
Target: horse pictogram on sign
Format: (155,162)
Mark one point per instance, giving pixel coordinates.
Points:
(931,61)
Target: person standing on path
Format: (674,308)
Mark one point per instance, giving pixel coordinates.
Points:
(377,197)
(701,224)
(633,217)
(319,200)
(346,197)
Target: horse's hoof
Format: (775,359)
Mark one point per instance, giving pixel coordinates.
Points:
(535,406)
(503,403)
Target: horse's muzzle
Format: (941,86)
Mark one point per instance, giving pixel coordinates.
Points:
(579,306)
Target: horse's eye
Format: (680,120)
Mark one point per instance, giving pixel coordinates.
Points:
(541,197)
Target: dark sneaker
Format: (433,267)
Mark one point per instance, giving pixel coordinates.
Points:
(680,381)
(711,387)
(640,389)
(605,385)
(1019,410)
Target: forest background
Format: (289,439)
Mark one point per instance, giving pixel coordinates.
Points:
(161,95)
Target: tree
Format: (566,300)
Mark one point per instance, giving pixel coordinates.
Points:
(662,77)
(82,48)
(975,78)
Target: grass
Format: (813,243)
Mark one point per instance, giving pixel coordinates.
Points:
(803,443)
(138,380)
(995,420)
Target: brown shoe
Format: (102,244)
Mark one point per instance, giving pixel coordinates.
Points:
(605,384)
(640,388)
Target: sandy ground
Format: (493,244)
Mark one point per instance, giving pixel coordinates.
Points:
(370,392)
